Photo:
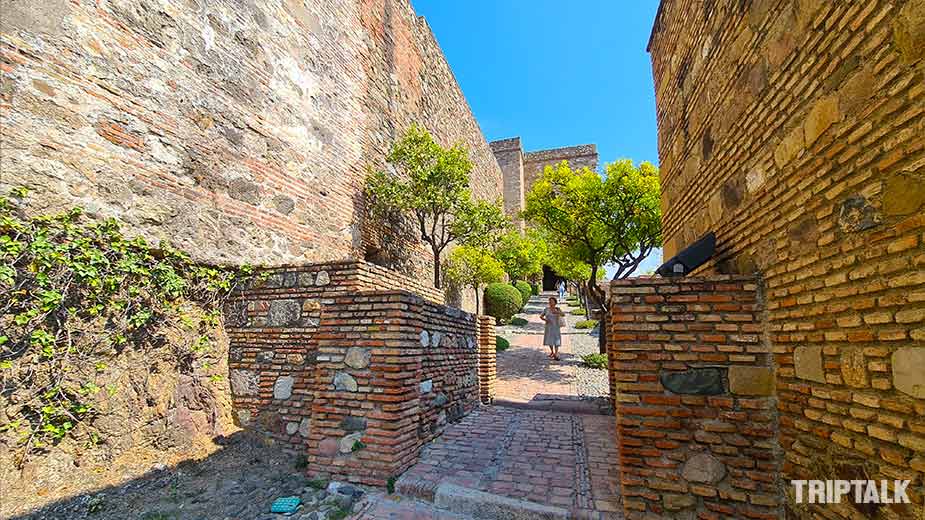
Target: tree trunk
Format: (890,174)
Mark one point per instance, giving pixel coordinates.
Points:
(597,298)
(437,269)
(477,300)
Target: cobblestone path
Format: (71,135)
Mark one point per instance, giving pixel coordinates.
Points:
(556,459)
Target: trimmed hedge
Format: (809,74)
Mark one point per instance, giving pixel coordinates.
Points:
(586,324)
(536,289)
(502,301)
(525,290)
(501,344)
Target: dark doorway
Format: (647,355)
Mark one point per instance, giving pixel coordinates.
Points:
(550,279)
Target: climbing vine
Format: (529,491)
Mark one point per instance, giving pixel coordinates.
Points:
(76,292)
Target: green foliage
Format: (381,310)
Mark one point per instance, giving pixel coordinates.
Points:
(502,301)
(586,324)
(473,267)
(535,288)
(518,322)
(578,312)
(525,290)
(596,219)
(595,360)
(522,254)
(301,462)
(74,292)
(357,446)
(318,483)
(390,485)
(433,188)
(501,344)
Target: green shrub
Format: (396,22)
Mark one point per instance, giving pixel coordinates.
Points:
(525,290)
(535,289)
(501,344)
(595,360)
(578,312)
(586,324)
(518,322)
(502,301)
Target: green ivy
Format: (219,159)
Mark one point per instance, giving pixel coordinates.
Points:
(76,291)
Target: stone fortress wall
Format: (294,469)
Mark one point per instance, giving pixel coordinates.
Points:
(521,169)
(239,131)
(794,130)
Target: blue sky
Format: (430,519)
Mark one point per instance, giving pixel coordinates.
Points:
(556,73)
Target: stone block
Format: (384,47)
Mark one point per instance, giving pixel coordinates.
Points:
(807,361)
(909,371)
(305,427)
(856,213)
(322,279)
(677,502)
(352,423)
(344,381)
(427,386)
(357,357)
(425,338)
(694,381)
(789,147)
(243,382)
(705,468)
(909,31)
(284,313)
(291,428)
(751,380)
(348,441)
(854,367)
(903,195)
(824,114)
(282,388)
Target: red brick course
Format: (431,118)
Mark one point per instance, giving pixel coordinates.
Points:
(707,446)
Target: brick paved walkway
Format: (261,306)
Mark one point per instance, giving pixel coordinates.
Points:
(557,459)
(527,378)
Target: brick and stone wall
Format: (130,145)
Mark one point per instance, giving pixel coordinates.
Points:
(695,399)
(392,370)
(794,130)
(488,358)
(340,362)
(238,131)
(272,328)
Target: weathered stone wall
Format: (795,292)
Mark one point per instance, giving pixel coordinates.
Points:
(273,330)
(694,398)
(239,131)
(581,156)
(795,131)
(392,370)
(510,157)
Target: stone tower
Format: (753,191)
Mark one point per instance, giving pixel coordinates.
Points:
(519,169)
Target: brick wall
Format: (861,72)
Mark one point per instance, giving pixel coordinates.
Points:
(272,330)
(695,404)
(392,370)
(488,359)
(795,131)
(240,132)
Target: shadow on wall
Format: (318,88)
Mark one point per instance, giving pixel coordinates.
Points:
(239,480)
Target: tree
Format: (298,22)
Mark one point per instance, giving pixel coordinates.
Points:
(595,219)
(469,266)
(433,187)
(521,254)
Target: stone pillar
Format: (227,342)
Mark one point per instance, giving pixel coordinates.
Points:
(695,398)
(487,359)
(392,371)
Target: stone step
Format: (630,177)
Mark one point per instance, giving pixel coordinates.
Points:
(476,504)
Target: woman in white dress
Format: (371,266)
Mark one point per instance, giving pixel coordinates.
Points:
(552,334)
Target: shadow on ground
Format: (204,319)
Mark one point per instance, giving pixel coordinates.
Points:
(238,481)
